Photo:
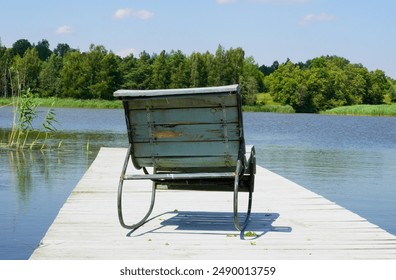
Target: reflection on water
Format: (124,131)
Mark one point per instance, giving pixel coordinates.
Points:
(361,181)
(35,183)
(349,160)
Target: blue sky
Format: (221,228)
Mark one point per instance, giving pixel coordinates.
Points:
(268,30)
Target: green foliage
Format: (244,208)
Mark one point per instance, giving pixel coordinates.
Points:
(26,110)
(250,234)
(161,72)
(199,75)
(138,72)
(28,69)
(282,109)
(50,120)
(392,93)
(25,105)
(6,60)
(265,99)
(49,77)
(61,49)
(43,49)
(179,69)
(364,110)
(21,46)
(74,76)
(70,103)
(324,83)
(24,114)
(319,84)
(96,74)
(267,70)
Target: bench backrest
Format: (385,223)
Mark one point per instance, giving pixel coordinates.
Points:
(195,128)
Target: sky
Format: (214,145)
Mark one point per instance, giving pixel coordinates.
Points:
(362,31)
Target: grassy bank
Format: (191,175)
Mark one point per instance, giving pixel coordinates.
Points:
(364,110)
(269,108)
(69,103)
(265,103)
(106,104)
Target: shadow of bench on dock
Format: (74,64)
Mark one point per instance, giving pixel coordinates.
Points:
(193,222)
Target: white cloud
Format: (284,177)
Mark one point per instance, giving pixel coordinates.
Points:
(126,52)
(64,29)
(122,13)
(312,18)
(131,13)
(143,14)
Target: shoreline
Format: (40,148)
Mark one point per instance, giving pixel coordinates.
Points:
(382,110)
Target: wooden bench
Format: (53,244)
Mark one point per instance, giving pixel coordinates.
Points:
(192,138)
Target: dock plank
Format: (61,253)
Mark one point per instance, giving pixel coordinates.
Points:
(287,222)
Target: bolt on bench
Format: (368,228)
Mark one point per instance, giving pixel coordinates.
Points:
(192,138)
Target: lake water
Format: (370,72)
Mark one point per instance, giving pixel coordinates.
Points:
(349,160)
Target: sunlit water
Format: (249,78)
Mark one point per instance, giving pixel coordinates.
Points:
(349,160)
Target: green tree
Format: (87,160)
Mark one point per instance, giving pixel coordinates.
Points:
(50,76)
(287,86)
(127,66)
(93,63)
(251,81)
(267,70)
(6,62)
(43,49)
(160,72)
(2,49)
(235,63)
(95,74)
(378,88)
(61,49)
(28,69)
(140,76)
(74,78)
(217,73)
(392,93)
(324,83)
(109,77)
(179,70)
(21,46)
(198,70)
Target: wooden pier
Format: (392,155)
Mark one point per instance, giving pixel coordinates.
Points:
(287,222)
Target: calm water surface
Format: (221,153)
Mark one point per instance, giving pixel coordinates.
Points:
(349,160)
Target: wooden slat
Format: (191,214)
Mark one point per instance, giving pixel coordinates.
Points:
(181,176)
(290,222)
(184,116)
(200,101)
(124,93)
(210,162)
(186,133)
(185,149)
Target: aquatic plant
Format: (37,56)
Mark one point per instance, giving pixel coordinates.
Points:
(25,113)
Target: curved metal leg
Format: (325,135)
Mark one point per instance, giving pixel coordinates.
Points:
(119,198)
(239,174)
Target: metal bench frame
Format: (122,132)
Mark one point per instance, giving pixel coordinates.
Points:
(237,175)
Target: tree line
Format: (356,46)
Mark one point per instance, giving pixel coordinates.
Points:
(97,73)
(318,84)
(327,82)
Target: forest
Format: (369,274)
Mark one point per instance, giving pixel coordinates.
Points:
(318,84)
